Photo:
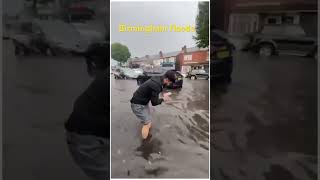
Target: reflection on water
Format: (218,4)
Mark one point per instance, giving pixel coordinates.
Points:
(149,146)
(265,122)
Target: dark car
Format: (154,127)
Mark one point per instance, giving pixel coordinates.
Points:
(221,59)
(283,39)
(198,73)
(147,75)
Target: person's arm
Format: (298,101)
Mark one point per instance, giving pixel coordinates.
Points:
(155,100)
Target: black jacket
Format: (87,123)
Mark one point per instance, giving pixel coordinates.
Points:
(98,54)
(90,113)
(149,91)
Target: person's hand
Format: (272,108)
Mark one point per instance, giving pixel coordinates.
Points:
(166,97)
(167,94)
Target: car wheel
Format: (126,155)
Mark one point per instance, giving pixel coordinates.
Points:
(193,77)
(266,50)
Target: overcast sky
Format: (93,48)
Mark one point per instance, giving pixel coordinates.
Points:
(156,13)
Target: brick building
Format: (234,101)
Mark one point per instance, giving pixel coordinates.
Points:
(192,58)
(184,60)
(244,16)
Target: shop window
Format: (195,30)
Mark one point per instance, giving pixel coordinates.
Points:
(273,20)
(288,19)
(187,57)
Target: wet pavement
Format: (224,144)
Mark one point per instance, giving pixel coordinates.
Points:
(179,146)
(264,124)
(38,95)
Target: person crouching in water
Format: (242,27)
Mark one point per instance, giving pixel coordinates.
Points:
(149,91)
(88,127)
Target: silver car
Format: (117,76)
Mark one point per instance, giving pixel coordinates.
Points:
(48,37)
(198,74)
(283,39)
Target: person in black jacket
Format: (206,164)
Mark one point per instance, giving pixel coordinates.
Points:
(149,91)
(87,129)
(97,57)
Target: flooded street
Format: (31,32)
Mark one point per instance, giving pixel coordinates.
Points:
(38,95)
(264,124)
(179,147)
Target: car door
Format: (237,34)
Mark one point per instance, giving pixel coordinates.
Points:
(198,74)
(276,34)
(203,73)
(295,41)
(195,72)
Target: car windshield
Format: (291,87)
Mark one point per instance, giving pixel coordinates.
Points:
(167,65)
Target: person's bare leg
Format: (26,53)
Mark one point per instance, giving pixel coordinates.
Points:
(145,130)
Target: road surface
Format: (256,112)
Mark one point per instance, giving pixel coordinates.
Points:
(38,94)
(264,124)
(180,134)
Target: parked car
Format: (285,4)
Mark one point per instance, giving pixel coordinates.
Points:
(119,74)
(221,56)
(198,73)
(48,37)
(28,38)
(147,75)
(138,71)
(168,66)
(287,39)
(132,73)
(89,33)
(127,73)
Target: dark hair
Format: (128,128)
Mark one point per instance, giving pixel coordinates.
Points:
(171,75)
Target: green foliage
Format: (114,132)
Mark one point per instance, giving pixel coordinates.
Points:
(202,25)
(120,52)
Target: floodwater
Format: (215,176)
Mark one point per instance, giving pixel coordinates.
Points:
(38,94)
(264,124)
(179,146)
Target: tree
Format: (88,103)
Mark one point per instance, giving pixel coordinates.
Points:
(120,52)
(202,25)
